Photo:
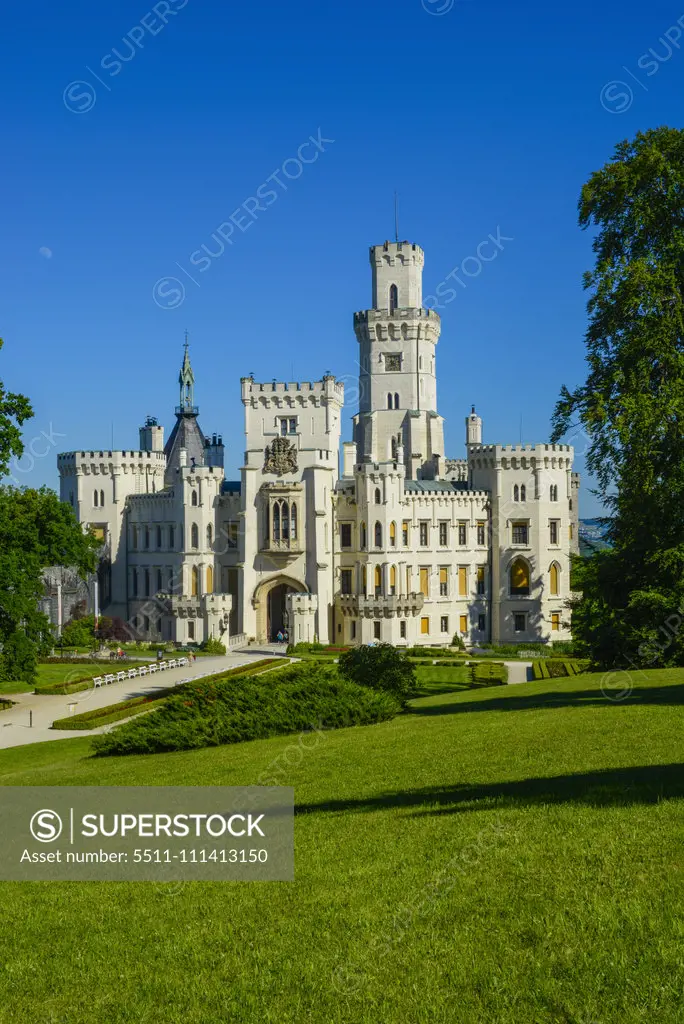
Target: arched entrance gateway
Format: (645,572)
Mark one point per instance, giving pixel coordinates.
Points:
(270,604)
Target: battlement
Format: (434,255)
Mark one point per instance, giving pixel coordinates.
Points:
(67,458)
(393,253)
(366,316)
(518,449)
(327,387)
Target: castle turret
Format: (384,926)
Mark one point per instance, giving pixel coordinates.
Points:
(186,435)
(152,436)
(473,428)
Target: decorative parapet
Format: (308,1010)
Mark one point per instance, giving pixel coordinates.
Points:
(362,606)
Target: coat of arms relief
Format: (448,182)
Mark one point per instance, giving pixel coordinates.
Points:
(281,457)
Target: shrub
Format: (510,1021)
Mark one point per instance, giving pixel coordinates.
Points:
(301,697)
(381,667)
(77,633)
(457,641)
(213,646)
(489,673)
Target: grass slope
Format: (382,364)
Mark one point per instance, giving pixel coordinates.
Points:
(500,856)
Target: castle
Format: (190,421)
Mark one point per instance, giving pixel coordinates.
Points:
(401,545)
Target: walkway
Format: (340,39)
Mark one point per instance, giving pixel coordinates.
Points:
(14,724)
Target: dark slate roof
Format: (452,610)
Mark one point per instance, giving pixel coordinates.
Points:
(430,486)
(186,434)
(231,487)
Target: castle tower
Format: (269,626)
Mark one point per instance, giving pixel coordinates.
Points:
(186,436)
(397,378)
(152,436)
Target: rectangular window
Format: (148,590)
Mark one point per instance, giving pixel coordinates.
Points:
(570,531)
(147,536)
(424,534)
(402,629)
(553,531)
(405,533)
(346,581)
(424,626)
(444,624)
(425,581)
(135,583)
(463,580)
(172,538)
(392,362)
(520,533)
(555,621)
(231,533)
(481,534)
(462,533)
(463,623)
(353,629)
(444,582)
(443,534)
(293,426)
(376,630)
(519,622)
(408,579)
(191,629)
(481,623)
(480,579)
(283,427)
(345,535)
(146,623)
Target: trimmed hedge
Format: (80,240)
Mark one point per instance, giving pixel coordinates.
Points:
(5,705)
(96,717)
(300,698)
(549,668)
(489,673)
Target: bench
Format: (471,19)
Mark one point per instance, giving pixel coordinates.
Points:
(142,671)
(132,673)
(153,667)
(97,681)
(162,665)
(109,679)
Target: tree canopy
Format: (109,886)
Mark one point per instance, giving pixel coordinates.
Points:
(631,404)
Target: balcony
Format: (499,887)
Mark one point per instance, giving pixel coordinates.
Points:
(361,606)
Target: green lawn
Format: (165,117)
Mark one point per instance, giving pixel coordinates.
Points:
(54,673)
(502,856)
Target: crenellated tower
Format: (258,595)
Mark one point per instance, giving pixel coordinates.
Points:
(397,376)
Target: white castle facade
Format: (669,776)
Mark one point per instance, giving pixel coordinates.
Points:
(400,545)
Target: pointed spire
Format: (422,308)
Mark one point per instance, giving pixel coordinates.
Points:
(186,379)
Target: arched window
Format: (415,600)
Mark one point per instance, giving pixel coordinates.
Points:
(554,579)
(389,401)
(362,536)
(516,493)
(378,496)
(194,537)
(393,580)
(95,499)
(276,521)
(210,537)
(570,504)
(378,535)
(101,499)
(396,400)
(523,492)
(378,581)
(293,521)
(193,500)
(393,535)
(210,580)
(195,581)
(519,575)
(553,492)
(284,520)
(364,577)
(393,298)
(159,537)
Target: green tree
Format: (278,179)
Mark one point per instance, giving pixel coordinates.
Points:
(36,530)
(632,403)
(381,667)
(14,410)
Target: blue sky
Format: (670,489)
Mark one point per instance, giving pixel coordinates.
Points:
(485,117)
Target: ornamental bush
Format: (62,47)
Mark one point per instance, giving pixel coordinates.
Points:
(303,697)
(381,667)
(213,646)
